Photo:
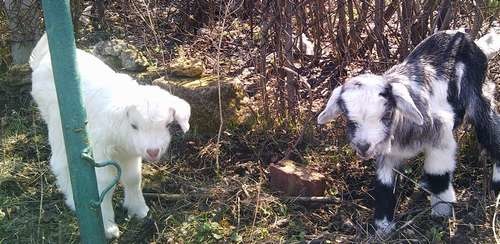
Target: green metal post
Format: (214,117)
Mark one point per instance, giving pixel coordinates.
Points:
(60,34)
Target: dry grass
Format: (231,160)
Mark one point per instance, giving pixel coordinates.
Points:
(193,203)
(238,205)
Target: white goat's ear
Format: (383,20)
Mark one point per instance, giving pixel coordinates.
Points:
(130,109)
(332,109)
(405,103)
(182,112)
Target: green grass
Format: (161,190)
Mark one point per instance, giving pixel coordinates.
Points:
(32,210)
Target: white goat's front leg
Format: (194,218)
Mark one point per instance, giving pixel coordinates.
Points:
(59,165)
(131,180)
(58,159)
(61,171)
(438,172)
(105,176)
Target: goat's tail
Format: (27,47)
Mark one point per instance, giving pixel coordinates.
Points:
(41,48)
(490,43)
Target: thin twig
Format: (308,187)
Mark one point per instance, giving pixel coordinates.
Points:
(42,186)
(257,201)
(441,201)
(175,197)
(497,240)
(407,223)
(413,181)
(310,118)
(217,68)
(238,207)
(311,199)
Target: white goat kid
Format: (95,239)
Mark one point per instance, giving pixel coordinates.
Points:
(126,122)
(414,107)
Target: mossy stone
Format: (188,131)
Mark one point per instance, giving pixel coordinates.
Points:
(184,66)
(202,94)
(121,55)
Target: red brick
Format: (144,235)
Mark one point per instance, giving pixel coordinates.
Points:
(293,180)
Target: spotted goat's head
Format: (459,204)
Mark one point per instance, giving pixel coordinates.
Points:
(370,105)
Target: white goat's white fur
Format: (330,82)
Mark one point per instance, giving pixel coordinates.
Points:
(114,103)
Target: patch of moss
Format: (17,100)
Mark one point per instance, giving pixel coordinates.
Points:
(17,77)
(184,66)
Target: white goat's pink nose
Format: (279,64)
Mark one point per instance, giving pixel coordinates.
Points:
(153,153)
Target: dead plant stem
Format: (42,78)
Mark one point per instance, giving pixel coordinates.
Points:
(218,72)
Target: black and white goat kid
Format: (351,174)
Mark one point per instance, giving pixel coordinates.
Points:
(414,107)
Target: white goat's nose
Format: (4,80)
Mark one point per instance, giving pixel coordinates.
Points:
(153,153)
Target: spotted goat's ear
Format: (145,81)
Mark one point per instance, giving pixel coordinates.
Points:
(405,104)
(332,109)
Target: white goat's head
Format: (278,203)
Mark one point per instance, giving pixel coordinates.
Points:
(148,119)
(370,105)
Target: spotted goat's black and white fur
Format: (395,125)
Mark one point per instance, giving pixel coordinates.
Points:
(414,107)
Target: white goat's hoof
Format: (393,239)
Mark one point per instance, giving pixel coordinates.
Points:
(136,209)
(111,230)
(139,213)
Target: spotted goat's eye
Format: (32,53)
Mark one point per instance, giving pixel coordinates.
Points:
(351,125)
(385,94)
(134,127)
(387,117)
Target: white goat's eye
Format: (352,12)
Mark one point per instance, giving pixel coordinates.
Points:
(134,127)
